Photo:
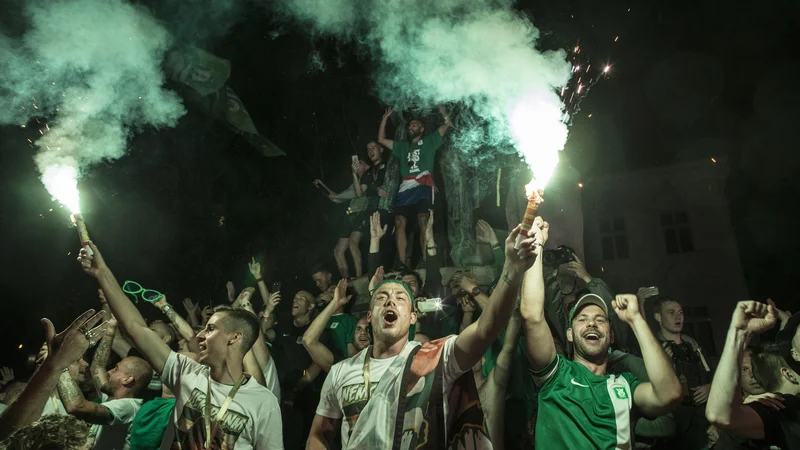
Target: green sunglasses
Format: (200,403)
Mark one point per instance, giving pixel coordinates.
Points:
(135,289)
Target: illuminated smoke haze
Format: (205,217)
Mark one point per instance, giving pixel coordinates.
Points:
(92,68)
(479,53)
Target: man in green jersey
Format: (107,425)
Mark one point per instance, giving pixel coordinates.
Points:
(580,406)
(415,194)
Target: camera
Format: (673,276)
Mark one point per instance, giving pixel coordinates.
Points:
(561,255)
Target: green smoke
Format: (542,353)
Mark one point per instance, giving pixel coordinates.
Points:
(479,53)
(92,68)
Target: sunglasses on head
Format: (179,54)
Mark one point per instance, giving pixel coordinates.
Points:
(136,290)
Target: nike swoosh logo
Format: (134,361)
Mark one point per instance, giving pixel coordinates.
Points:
(577,384)
(285,334)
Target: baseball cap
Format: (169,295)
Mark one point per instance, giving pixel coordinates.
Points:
(585,300)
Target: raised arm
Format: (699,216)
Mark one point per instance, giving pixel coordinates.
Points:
(539,340)
(663,392)
(725,409)
(475,339)
(468,285)
(130,319)
(388,143)
(320,354)
(267,317)
(445,127)
(64,349)
(484,233)
(184,329)
(77,405)
(192,312)
(252,367)
(376,232)
(260,348)
(468,312)
(102,355)
(357,186)
(255,271)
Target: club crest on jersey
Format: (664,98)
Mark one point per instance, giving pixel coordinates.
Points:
(621,393)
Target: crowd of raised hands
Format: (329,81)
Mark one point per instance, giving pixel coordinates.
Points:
(522,335)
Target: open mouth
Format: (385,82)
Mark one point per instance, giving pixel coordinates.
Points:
(389,318)
(363,339)
(592,336)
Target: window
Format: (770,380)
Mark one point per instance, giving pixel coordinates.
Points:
(614,239)
(677,232)
(697,324)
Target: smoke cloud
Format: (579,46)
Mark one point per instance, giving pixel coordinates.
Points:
(91,71)
(479,53)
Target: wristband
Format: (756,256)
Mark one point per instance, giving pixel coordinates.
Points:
(432,248)
(166,308)
(495,246)
(259,280)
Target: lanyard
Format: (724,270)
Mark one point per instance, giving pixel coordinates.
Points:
(366,372)
(222,409)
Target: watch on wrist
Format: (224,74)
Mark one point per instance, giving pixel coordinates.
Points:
(476,291)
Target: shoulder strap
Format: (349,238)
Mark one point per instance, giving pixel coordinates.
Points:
(401,404)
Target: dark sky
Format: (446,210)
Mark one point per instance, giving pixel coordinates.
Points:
(688,80)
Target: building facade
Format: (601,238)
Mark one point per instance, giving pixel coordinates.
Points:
(668,227)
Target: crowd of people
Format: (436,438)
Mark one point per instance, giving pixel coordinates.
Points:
(430,364)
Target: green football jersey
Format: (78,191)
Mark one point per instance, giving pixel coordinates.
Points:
(581,410)
(341,328)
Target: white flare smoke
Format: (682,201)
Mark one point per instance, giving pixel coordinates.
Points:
(480,53)
(91,70)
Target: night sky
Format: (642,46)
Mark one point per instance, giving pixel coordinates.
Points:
(687,81)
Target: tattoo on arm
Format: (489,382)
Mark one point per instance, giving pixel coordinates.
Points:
(184,329)
(507,279)
(77,405)
(100,361)
(69,392)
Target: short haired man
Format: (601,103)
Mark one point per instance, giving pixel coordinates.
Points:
(417,158)
(202,390)
(580,405)
(725,409)
(371,397)
(296,369)
(692,370)
(123,386)
(323,279)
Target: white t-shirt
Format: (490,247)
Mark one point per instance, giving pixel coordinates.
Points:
(271,376)
(253,419)
(116,436)
(343,393)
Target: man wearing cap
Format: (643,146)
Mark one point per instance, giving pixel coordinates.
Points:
(769,425)
(398,393)
(580,405)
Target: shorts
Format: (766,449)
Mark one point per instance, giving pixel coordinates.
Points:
(352,223)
